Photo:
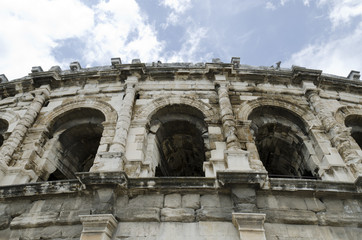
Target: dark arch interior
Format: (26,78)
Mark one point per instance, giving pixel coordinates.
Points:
(79,133)
(279,137)
(3,128)
(355,122)
(180,141)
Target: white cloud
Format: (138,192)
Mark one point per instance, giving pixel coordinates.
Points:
(121,30)
(30,30)
(190,47)
(337,56)
(178,8)
(107,29)
(270,6)
(343,11)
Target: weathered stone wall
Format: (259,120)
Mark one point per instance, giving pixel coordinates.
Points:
(181,151)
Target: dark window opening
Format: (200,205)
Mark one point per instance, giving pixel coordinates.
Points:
(180,141)
(355,122)
(3,128)
(279,137)
(75,142)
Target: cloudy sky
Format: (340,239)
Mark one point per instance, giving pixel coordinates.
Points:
(320,34)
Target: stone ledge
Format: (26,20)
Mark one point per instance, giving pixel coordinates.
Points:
(224,180)
(290,184)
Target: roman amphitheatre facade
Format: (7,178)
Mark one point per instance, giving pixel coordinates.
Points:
(204,151)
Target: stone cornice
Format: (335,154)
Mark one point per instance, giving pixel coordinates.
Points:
(224,181)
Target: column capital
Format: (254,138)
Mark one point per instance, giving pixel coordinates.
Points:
(250,225)
(99,226)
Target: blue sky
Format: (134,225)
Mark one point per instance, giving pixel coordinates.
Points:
(320,34)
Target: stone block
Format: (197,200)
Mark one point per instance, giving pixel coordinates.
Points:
(177,215)
(219,230)
(333,205)
(191,201)
(214,214)
(29,220)
(4,222)
(245,207)
(243,195)
(151,200)
(314,204)
(267,202)
(285,202)
(291,217)
(214,130)
(210,200)
(340,219)
(137,230)
(172,201)
(217,154)
(146,214)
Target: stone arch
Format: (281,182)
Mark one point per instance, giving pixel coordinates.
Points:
(10,117)
(351,117)
(151,108)
(304,114)
(343,112)
(108,111)
(61,136)
(8,120)
(181,122)
(281,133)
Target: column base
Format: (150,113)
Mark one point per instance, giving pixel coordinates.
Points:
(108,161)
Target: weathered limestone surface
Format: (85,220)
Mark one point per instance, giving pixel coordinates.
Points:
(180,151)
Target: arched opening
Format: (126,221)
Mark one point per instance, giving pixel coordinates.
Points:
(3,128)
(355,122)
(75,137)
(280,138)
(178,133)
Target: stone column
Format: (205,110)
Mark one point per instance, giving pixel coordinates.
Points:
(98,227)
(338,135)
(18,134)
(124,119)
(113,160)
(236,158)
(250,225)
(18,175)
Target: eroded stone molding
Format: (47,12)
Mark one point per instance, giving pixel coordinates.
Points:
(250,225)
(338,134)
